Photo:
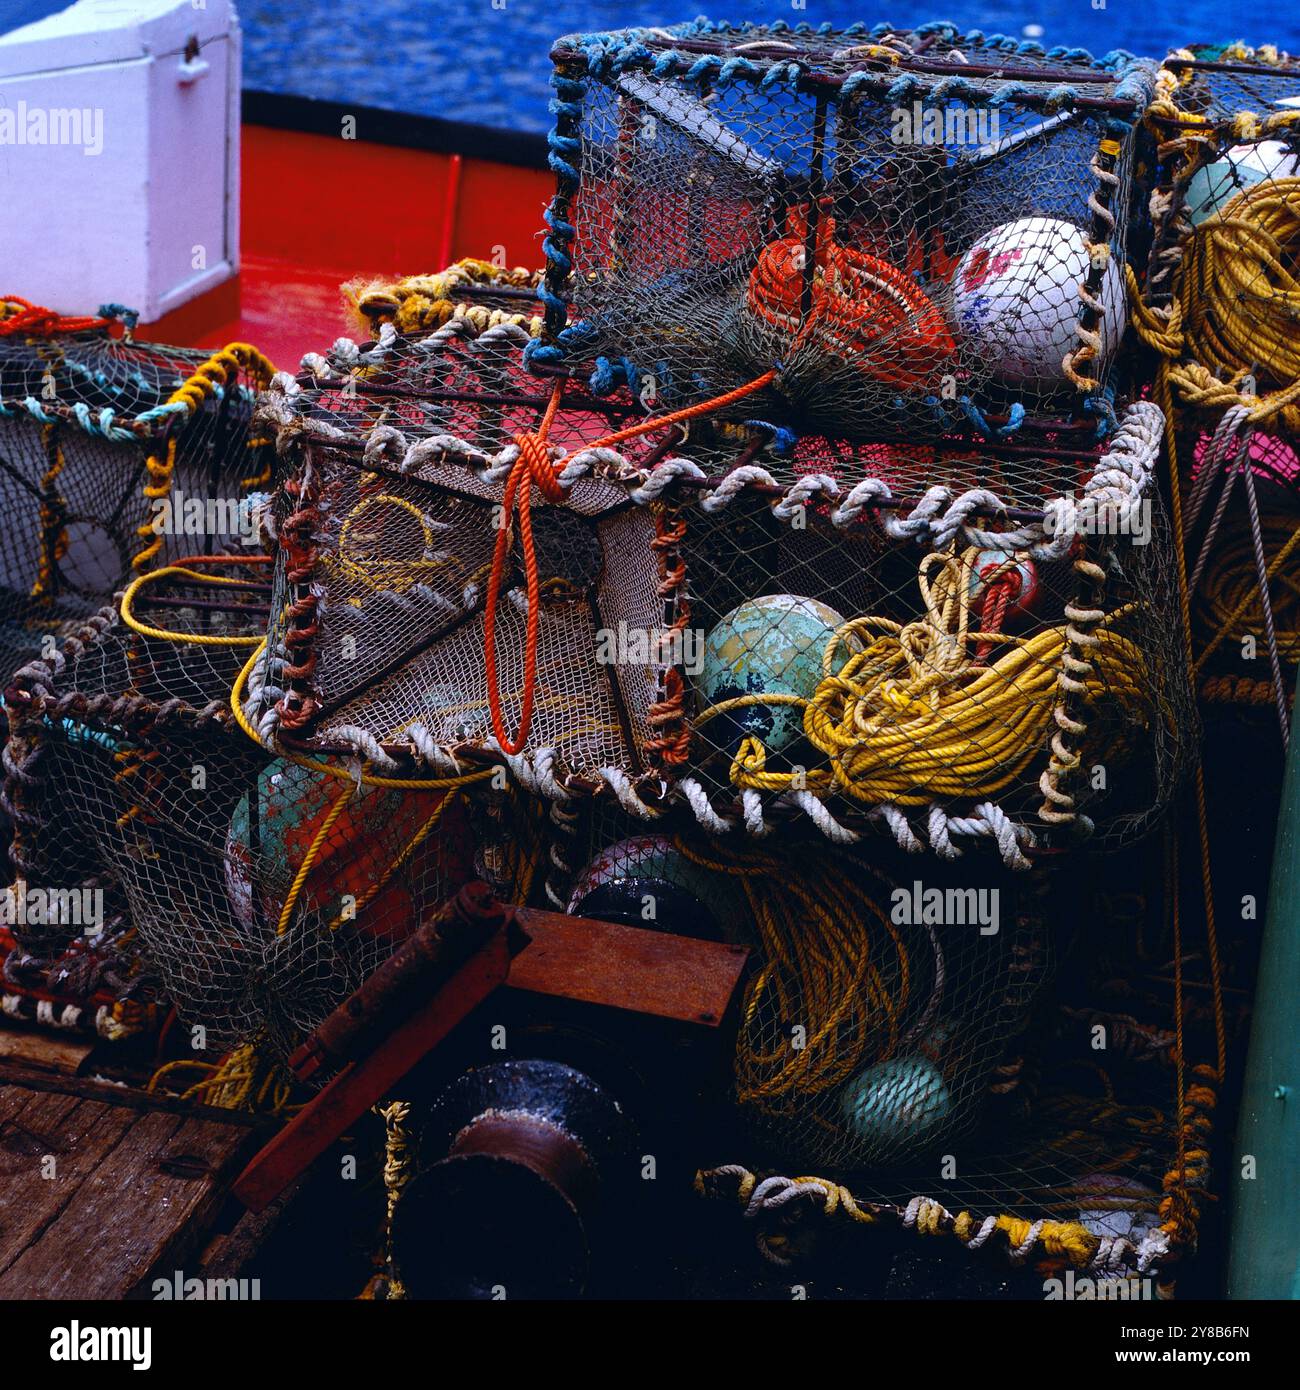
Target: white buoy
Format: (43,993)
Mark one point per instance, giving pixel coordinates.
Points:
(1016,299)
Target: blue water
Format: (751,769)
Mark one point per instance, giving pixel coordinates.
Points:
(15,13)
(468,61)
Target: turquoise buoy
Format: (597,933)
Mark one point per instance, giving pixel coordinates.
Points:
(1210,189)
(896,1107)
(767,646)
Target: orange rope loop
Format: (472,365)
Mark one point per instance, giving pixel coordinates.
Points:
(535,468)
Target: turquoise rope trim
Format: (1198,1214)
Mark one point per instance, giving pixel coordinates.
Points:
(611,53)
(129,317)
(102,424)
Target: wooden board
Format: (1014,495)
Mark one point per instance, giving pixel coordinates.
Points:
(59,1052)
(97,1189)
(628,968)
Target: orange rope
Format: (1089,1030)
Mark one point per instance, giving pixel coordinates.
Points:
(858,304)
(34,319)
(535,467)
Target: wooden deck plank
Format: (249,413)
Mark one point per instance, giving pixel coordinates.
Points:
(34,1127)
(132,1188)
(56,1052)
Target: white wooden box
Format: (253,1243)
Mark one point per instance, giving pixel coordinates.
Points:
(119,154)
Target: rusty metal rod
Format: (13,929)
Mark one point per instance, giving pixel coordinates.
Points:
(1251,69)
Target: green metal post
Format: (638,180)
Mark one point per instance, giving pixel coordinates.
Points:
(1264,1258)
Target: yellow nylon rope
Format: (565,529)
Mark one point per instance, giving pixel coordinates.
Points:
(220,371)
(198,639)
(830,958)
(913,716)
(362,778)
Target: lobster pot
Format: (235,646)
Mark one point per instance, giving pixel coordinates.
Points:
(1089,1162)
(953,645)
(908,229)
(261,891)
(879,643)
(380,643)
(885,994)
(103,474)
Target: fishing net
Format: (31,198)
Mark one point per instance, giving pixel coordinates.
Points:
(884,233)
(261,891)
(114,456)
(886,996)
(954,643)
(1092,1154)
(1217,310)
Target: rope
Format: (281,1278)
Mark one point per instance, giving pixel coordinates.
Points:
(198,639)
(1179,1211)
(241,1080)
(1068,1240)
(383,572)
(1236,301)
(823,964)
(359,777)
(858,302)
(37,321)
(913,716)
(217,373)
(418,303)
(53,514)
(535,466)
(1230,590)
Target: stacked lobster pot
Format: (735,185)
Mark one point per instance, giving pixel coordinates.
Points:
(119,461)
(1218,303)
(803,566)
(117,456)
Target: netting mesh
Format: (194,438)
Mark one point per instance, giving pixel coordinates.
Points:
(909,232)
(262,891)
(954,642)
(883,997)
(1218,307)
(95,434)
(1092,1145)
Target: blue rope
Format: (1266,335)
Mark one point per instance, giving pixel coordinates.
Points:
(783,441)
(130,317)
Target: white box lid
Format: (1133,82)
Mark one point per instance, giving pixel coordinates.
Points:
(93,32)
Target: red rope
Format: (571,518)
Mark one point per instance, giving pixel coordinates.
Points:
(36,321)
(863,309)
(534,466)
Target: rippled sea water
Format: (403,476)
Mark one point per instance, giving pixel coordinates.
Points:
(485,61)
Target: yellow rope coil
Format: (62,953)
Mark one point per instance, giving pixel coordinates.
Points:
(1228,599)
(831,958)
(1236,304)
(421,302)
(913,716)
(219,372)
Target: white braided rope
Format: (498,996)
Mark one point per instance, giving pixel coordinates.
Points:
(1113,1254)
(429,751)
